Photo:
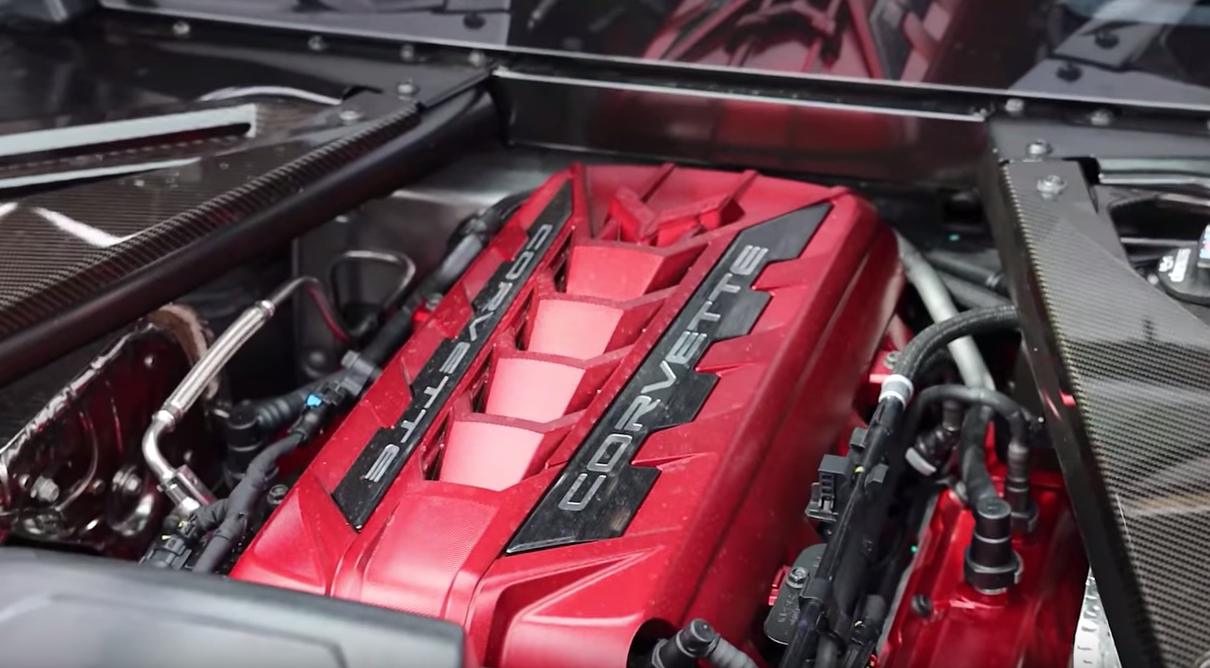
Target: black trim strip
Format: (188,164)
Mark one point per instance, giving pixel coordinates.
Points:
(599,491)
(367,481)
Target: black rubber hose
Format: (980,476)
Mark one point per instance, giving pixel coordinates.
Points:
(962,267)
(938,335)
(398,149)
(1016,479)
(276,412)
(1001,403)
(240,503)
(972,456)
(969,295)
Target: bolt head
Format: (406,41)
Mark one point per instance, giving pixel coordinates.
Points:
(796,578)
(317,43)
(348,116)
(477,58)
(181,28)
(1038,148)
(45,489)
(407,88)
(1051,186)
(277,494)
(890,359)
(1106,39)
(922,605)
(1101,117)
(1014,106)
(407,53)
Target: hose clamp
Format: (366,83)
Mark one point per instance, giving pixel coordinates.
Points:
(897,387)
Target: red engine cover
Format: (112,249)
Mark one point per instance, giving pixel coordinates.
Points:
(609,426)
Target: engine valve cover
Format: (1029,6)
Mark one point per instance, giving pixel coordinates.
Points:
(609,426)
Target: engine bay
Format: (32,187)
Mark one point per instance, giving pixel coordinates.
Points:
(358,352)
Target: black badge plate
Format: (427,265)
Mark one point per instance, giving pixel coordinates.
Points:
(599,491)
(365,483)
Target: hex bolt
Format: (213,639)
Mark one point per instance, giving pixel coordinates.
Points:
(127,482)
(890,359)
(1101,117)
(1069,71)
(317,43)
(1051,186)
(407,88)
(181,29)
(796,578)
(349,116)
(477,58)
(277,494)
(1014,106)
(1038,148)
(1106,39)
(45,489)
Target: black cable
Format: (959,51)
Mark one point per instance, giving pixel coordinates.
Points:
(941,334)
(240,503)
(1016,478)
(972,456)
(963,267)
(315,291)
(970,295)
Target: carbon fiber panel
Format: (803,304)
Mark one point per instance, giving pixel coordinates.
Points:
(59,247)
(1134,449)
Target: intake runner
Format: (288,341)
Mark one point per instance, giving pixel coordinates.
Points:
(609,426)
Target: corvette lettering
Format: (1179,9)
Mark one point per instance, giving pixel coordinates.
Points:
(363,486)
(600,490)
(686,350)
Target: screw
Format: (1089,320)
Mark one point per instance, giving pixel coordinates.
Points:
(126,481)
(1051,186)
(317,43)
(1069,71)
(1101,117)
(277,494)
(1106,39)
(474,21)
(890,359)
(407,53)
(477,58)
(96,486)
(149,361)
(181,28)
(1038,148)
(796,578)
(1014,106)
(922,606)
(45,489)
(23,480)
(433,301)
(407,88)
(349,116)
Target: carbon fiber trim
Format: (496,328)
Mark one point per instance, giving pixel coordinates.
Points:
(1133,446)
(57,248)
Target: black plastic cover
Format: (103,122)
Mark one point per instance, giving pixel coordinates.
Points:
(60,610)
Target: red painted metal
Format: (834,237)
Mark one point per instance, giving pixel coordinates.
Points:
(1033,626)
(720,518)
